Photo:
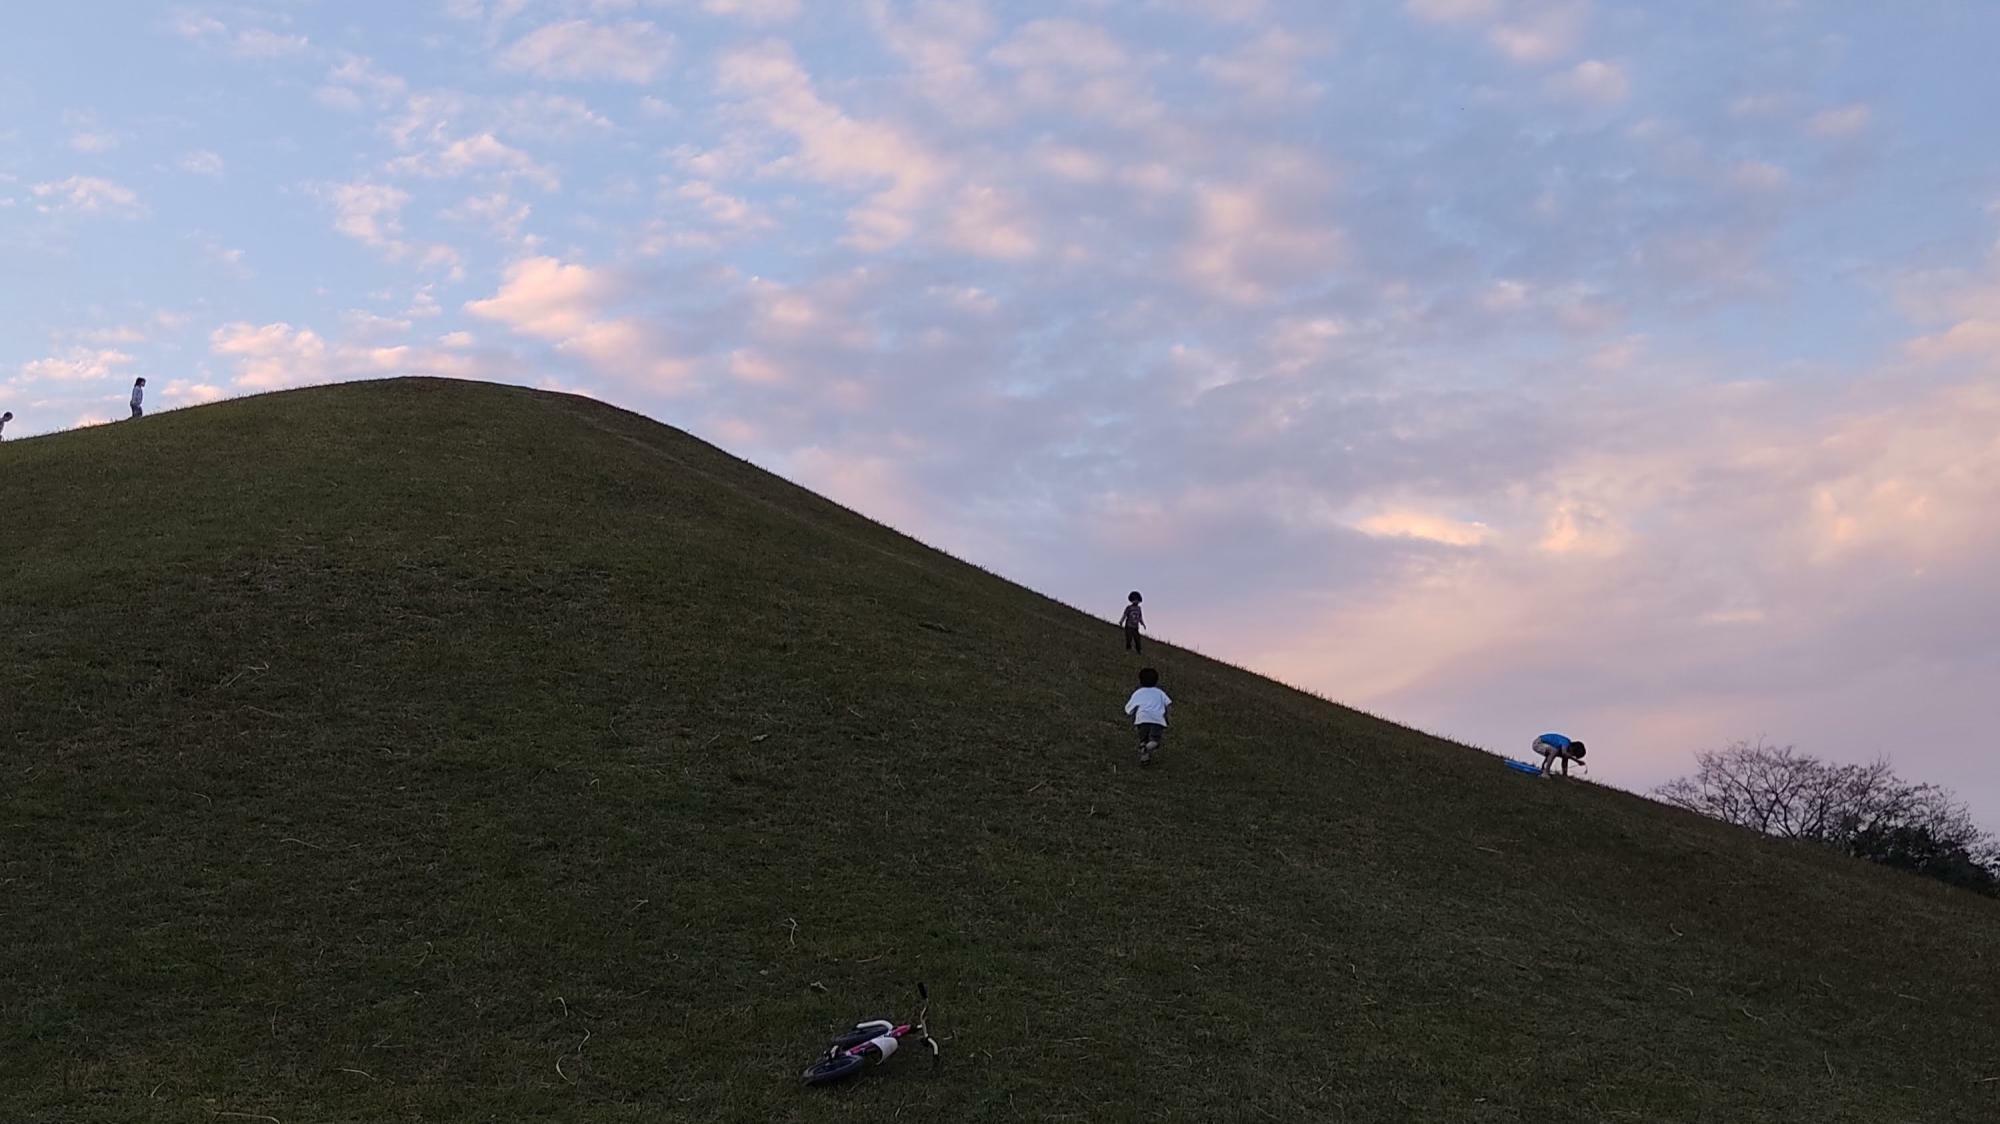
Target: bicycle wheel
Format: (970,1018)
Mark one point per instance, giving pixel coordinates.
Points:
(828,1070)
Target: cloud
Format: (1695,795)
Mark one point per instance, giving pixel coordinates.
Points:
(985,222)
(703,216)
(1843,121)
(1496,414)
(88,195)
(356,82)
(1974,338)
(484,154)
(1223,11)
(1078,68)
(188,392)
(272,355)
(77,365)
(258,43)
(202,162)
(1962,308)
(369,213)
(836,149)
(243,43)
(865,481)
(276,355)
(1252,238)
(502,214)
(1594,81)
(122,334)
(1759,176)
(372,214)
(578,50)
(1062,45)
(1530,32)
(1406,524)
(751,367)
(1454,11)
(1764,105)
(570,306)
(553,117)
(1267,68)
(1545,32)
(233,262)
(755,11)
(90,141)
(939,43)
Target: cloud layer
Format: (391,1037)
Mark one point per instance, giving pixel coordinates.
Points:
(1500,365)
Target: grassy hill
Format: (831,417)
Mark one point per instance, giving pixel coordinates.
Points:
(428,751)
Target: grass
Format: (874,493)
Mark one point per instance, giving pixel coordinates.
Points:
(427,751)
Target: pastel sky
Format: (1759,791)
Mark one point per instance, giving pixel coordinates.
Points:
(1628,369)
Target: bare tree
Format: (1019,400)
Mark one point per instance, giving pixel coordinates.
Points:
(1865,810)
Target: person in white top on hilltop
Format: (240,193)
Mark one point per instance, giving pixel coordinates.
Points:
(138,398)
(4,419)
(1148,708)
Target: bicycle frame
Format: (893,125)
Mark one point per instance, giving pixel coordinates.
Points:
(879,1039)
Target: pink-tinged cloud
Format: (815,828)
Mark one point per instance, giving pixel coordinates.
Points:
(835,148)
(1249,239)
(756,11)
(372,214)
(88,195)
(77,365)
(256,43)
(1454,11)
(632,51)
(570,306)
(1842,121)
(483,154)
(270,356)
(1501,364)
(278,355)
(1594,81)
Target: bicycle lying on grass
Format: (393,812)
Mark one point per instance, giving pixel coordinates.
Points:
(878,1039)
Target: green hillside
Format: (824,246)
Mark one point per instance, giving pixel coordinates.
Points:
(430,751)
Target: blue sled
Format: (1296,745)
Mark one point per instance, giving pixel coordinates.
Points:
(1523,767)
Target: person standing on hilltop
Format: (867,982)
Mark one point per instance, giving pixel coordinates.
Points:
(1554,746)
(1148,708)
(1133,620)
(138,397)
(4,419)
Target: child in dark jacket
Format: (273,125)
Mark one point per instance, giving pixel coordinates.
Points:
(1133,620)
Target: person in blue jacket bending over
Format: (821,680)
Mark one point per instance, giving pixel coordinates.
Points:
(1555,746)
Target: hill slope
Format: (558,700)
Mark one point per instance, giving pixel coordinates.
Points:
(431,751)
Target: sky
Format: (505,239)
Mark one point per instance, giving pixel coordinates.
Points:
(1625,369)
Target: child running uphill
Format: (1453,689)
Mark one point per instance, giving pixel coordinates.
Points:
(1148,708)
(1133,620)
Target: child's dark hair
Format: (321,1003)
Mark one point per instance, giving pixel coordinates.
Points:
(1135,598)
(1148,677)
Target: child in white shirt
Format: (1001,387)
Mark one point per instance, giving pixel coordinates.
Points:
(1148,708)
(138,398)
